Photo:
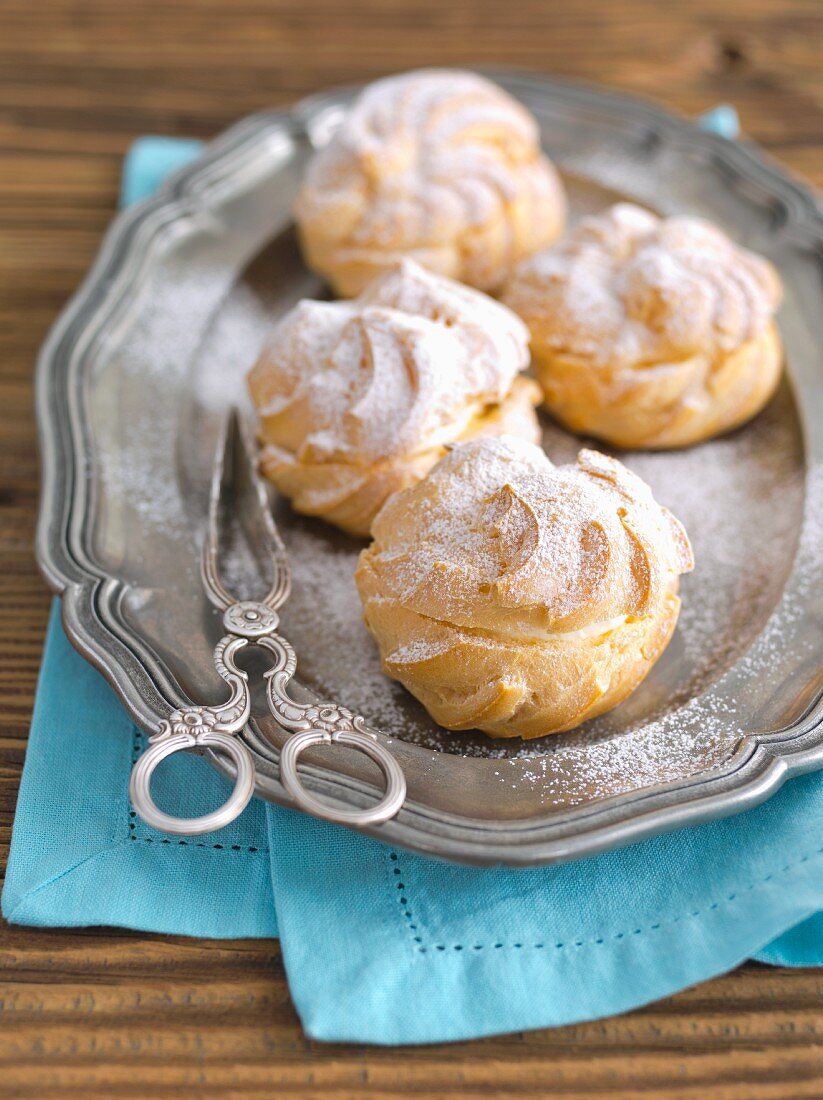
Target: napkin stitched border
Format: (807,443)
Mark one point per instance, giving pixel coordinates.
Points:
(422,947)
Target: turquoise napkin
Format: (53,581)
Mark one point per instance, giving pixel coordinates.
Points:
(380,945)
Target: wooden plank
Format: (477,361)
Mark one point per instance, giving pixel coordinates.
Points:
(103,1013)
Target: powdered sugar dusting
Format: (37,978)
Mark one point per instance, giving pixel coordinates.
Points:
(500,539)
(391,373)
(426,164)
(625,289)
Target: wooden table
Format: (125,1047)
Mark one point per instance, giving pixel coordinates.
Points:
(112,1014)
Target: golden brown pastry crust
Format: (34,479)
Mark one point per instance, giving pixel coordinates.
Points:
(648,332)
(438,165)
(521,598)
(359,399)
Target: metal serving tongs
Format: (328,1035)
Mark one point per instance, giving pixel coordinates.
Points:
(253,622)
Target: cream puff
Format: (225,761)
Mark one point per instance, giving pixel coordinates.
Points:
(518,597)
(359,399)
(650,332)
(438,165)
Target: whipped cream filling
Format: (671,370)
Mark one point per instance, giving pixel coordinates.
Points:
(593,630)
(420,651)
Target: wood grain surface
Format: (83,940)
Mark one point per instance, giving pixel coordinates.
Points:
(109,1014)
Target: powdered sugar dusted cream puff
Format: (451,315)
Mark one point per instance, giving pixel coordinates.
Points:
(358,399)
(519,597)
(650,332)
(438,165)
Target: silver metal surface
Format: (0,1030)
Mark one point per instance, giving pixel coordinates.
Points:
(255,622)
(167,745)
(133,384)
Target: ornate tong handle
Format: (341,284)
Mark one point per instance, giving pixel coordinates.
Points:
(325,724)
(313,724)
(249,622)
(201,726)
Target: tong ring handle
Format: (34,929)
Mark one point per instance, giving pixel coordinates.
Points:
(140,784)
(388,806)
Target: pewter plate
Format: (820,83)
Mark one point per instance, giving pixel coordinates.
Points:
(132,383)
